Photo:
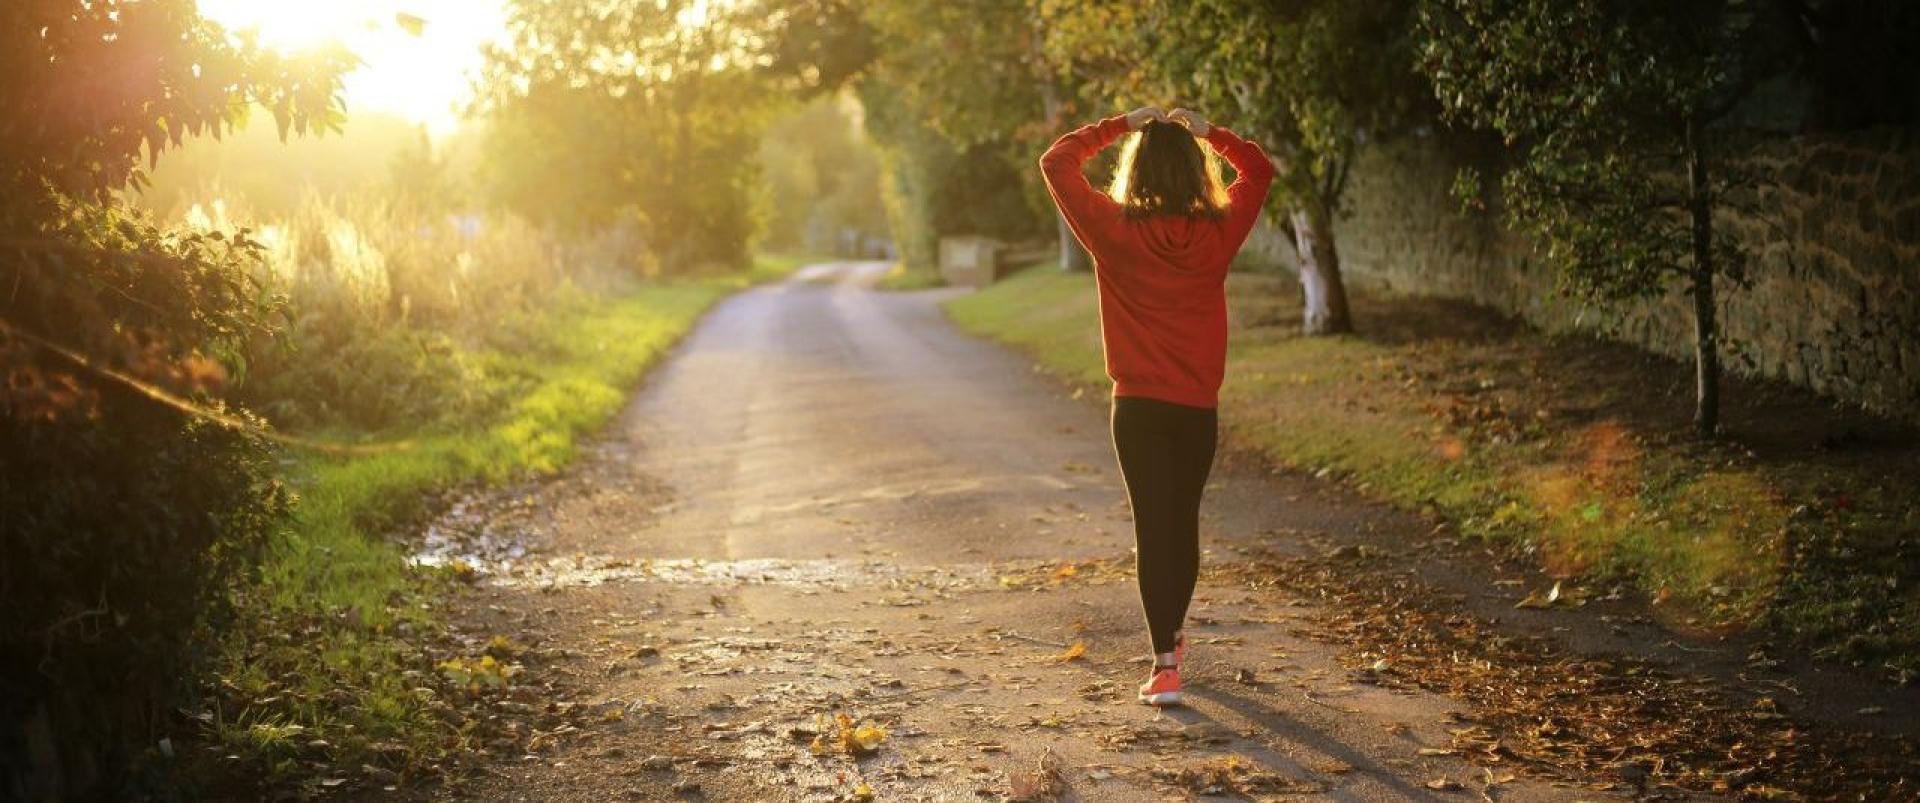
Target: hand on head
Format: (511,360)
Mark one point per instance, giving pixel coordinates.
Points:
(1187,118)
(1192,120)
(1139,118)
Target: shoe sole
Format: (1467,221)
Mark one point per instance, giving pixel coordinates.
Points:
(1164,698)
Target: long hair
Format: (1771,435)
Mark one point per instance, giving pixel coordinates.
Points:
(1164,171)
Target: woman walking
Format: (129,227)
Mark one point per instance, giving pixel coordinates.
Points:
(1161,240)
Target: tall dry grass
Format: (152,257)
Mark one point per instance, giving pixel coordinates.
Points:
(387,295)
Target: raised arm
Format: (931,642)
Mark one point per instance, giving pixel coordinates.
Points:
(1064,167)
(1253,172)
(1088,211)
(1254,177)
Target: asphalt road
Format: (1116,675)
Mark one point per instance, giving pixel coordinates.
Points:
(829,500)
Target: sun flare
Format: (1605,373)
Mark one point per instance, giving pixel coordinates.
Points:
(418,56)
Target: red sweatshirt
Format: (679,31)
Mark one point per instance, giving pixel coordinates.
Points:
(1162,279)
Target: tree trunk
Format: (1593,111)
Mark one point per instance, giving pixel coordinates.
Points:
(1326,295)
(1073,258)
(1706,331)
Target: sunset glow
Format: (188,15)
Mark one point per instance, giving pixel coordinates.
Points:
(419,55)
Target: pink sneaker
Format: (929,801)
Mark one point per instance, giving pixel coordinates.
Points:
(1163,688)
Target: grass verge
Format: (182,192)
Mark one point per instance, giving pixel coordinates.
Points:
(336,673)
(1572,451)
(774,267)
(903,278)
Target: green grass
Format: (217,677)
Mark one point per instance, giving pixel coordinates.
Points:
(330,644)
(574,364)
(773,267)
(1469,430)
(903,278)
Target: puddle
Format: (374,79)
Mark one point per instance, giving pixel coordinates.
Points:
(495,544)
(823,574)
(468,533)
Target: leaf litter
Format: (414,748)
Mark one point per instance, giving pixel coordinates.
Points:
(1626,721)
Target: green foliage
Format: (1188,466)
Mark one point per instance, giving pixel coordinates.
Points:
(173,75)
(121,534)
(986,82)
(959,128)
(125,519)
(1310,80)
(934,187)
(329,646)
(380,289)
(378,380)
(810,47)
(1616,111)
(634,114)
(557,372)
(1596,98)
(821,178)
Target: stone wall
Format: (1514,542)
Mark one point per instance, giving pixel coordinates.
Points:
(1835,299)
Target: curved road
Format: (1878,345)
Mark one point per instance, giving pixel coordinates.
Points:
(830,501)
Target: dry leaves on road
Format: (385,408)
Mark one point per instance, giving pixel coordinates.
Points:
(840,734)
(1607,717)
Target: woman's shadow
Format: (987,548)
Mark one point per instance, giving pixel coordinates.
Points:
(1280,726)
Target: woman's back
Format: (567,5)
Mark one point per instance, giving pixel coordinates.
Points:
(1160,258)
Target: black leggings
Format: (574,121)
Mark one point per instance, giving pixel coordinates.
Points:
(1166,452)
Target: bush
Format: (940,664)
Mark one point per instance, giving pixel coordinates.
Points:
(122,536)
(132,498)
(387,299)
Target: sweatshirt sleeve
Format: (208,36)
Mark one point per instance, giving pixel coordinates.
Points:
(1092,215)
(1254,177)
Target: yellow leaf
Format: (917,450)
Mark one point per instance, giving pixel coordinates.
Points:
(839,734)
(867,738)
(462,571)
(1073,653)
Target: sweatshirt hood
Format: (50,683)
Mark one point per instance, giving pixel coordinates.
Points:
(1179,240)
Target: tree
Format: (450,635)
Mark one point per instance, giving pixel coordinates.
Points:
(126,517)
(631,113)
(935,187)
(988,88)
(1311,80)
(1613,110)
(822,179)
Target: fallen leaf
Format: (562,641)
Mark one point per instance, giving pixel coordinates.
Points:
(1073,653)
(846,736)
(1537,600)
(1042,783)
